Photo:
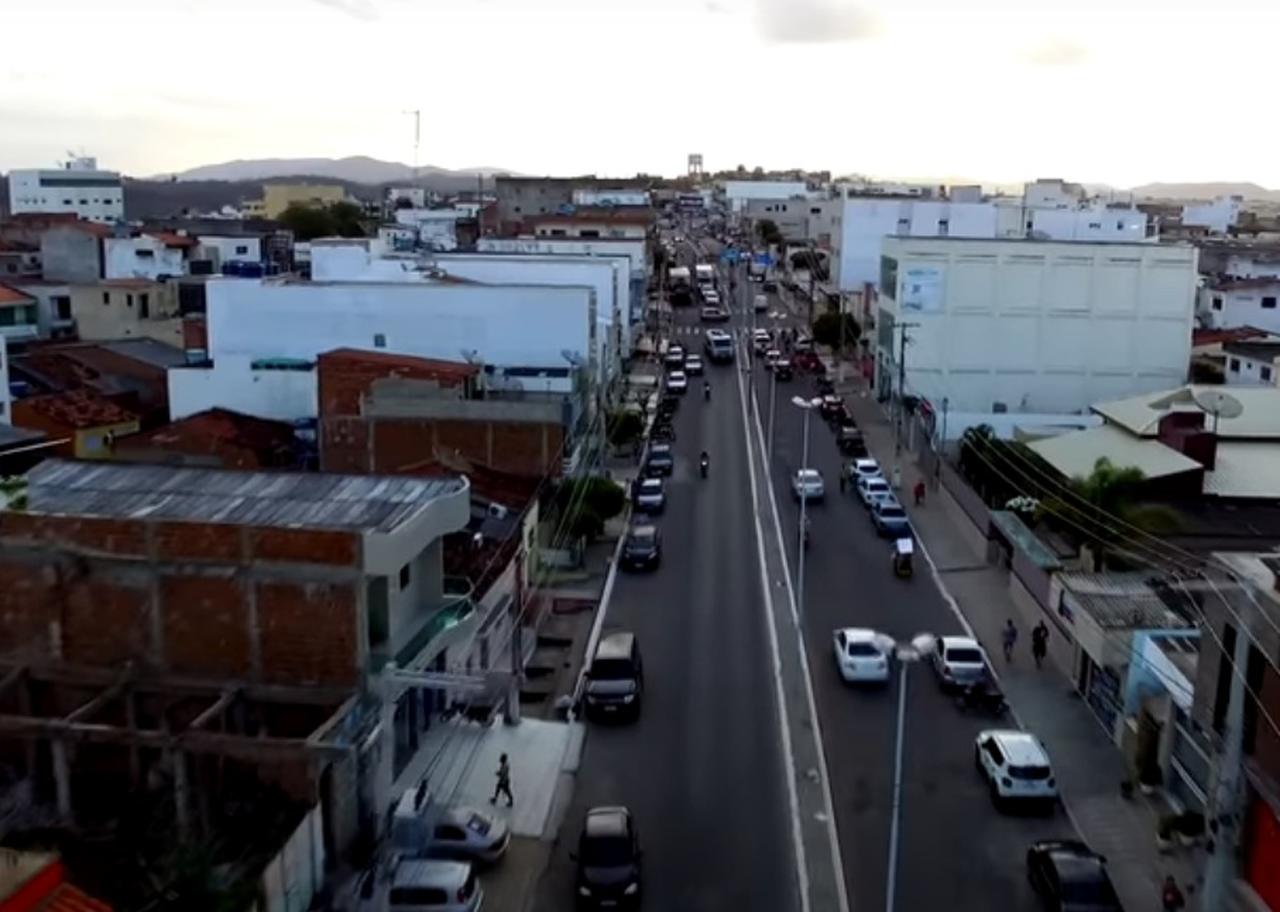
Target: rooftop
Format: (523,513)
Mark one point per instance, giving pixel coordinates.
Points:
(9,295)
(359,503)
(1244,284)
(633,215)
(1183,248)
(172,238)
(148,351)
(458,370)
(1258,349)
(78,408)
(214,432)
(1120,601)
(1075,453)
(1260,417)
(1202,337)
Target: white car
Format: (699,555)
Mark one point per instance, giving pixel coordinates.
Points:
(761,303)
(958,661)
(807,485)
(469,835)
(771,357)
(434,886)
(862,654)
(675,355)
(760,341)
(871,488)
(864,468)
(693,365)
(677,382)
(1015,765)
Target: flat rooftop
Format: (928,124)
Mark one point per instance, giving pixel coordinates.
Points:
(355,503)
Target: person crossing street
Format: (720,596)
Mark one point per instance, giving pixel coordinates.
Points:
(1039,643)
(503,786)
(1008,638)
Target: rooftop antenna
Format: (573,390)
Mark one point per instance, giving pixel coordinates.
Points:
(417,136)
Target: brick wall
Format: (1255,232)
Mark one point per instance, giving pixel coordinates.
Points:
(277,605)
(401,444)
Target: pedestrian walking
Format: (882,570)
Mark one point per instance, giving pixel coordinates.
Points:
(919,492)
(1039,643)
(1008,637)
(1171,896)
(503,786)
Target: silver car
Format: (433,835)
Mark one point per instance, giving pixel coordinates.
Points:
(434,886)
(469,835)
(872,488)
(958,661)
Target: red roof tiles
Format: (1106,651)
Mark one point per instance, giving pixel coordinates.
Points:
(76,408)
(13,296)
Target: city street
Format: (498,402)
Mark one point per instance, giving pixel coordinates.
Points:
(957,851)
(702,769)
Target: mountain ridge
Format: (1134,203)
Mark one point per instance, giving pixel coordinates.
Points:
(359,169)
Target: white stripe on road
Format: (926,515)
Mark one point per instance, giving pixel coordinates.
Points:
(829,804)
(784,726)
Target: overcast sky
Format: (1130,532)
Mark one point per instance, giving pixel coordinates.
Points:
(1115,91)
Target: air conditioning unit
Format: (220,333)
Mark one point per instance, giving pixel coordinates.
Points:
(497,511)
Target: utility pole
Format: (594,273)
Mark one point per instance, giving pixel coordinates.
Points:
(942,444)
(417,137)
(903,339)
(1220,868)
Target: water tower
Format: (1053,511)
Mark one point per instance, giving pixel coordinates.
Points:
(695,164)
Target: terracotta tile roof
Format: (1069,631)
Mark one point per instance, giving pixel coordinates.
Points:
(37,220)
(10,295)
(172,238)
(76,408)
(216,432)
(1234,334)
(457,370)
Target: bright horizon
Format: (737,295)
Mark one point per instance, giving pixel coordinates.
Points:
(1121,92)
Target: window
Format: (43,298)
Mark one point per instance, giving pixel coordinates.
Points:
(1217,303)
(242,249)
(66,202)
(128,300)
(1268,302)
(405,575)
(379,340)
(84,202)
(146,254)
(106,298)
(1264,374)
(61,306)
(144,305)
(11,267)
(814,210)
(1234,366)
(1095,225)
(1119,225)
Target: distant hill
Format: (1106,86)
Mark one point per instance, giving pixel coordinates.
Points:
(1207,191)
(359,169)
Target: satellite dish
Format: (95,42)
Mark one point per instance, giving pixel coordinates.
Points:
(1218,404)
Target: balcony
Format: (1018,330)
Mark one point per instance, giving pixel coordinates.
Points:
(452,622)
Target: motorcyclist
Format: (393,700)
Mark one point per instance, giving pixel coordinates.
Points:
(704,463)
(706,390)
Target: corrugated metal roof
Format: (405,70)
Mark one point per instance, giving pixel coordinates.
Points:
(149,351)
(1141,414)
(366,503)
(1120,601)
(1245,470)
(1075,453)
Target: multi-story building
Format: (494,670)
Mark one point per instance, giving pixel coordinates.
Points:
(737,193)
(154,255)
(1218,217)
(592,222)
(79,187)
(791,216)
(1252,362)
(635,251)
(277,197)
(1230,303)
(264,336)
(518,198)
(127,308)
(1032,326)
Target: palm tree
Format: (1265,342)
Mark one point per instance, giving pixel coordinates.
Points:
(1104,508)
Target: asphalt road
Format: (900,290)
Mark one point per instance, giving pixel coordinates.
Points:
(957,851)
(702,769)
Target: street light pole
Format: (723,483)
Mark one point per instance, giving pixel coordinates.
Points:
(906,654)
(773,401)
(808,405)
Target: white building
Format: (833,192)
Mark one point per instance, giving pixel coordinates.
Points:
(1218,216)
(1096,223)
(737,192)
(1254,362)
(264,337)
(619,196)
(400,238)
(79,187)
(418,197)
(437,228)
(1229,303)
(230,248)
(1033,326)
(636,252)
(147,256)
(1052,193)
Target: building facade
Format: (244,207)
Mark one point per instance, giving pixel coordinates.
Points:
(1231,303)
(1252,362)
(79,187)
(1033,326)
(127,308)
(147,256)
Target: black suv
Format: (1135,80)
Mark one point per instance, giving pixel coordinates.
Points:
(608,860)
(643,548)
(615,680)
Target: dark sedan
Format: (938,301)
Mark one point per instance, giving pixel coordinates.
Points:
(782,369)
(642,549)
(1068,876)
(659,461)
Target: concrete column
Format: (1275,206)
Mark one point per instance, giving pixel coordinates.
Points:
(62,779)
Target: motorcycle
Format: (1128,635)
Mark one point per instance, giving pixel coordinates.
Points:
(706,391)
(704,465)
(983,696)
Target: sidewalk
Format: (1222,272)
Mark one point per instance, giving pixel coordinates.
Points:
(1088,764)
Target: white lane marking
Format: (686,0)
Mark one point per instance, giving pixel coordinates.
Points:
(784,726)
(891,876)
(828,802)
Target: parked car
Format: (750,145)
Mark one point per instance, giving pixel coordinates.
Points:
(831,406)
(1068,876)
(862,654)
(807,485)
(677,382)
(804,344)
(865,466)
(615,678)
(850,442)
(466,834)
(958,661)
(890,519)
(608,860)
(659,461)
(675,356)
(872,487)
(782,369)
(771,357)
(1016,766)
(693,365)
(642,549)
(650,497)
(711,313)
(760,341)
(770,286)
(434,886)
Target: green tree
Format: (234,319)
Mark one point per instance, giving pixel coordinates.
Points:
(310,222)
(348,219)
(1102,507)
(767,231)
(836,330)
(403,202)
(625,427)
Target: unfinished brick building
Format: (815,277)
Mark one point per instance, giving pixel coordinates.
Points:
(175,619)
